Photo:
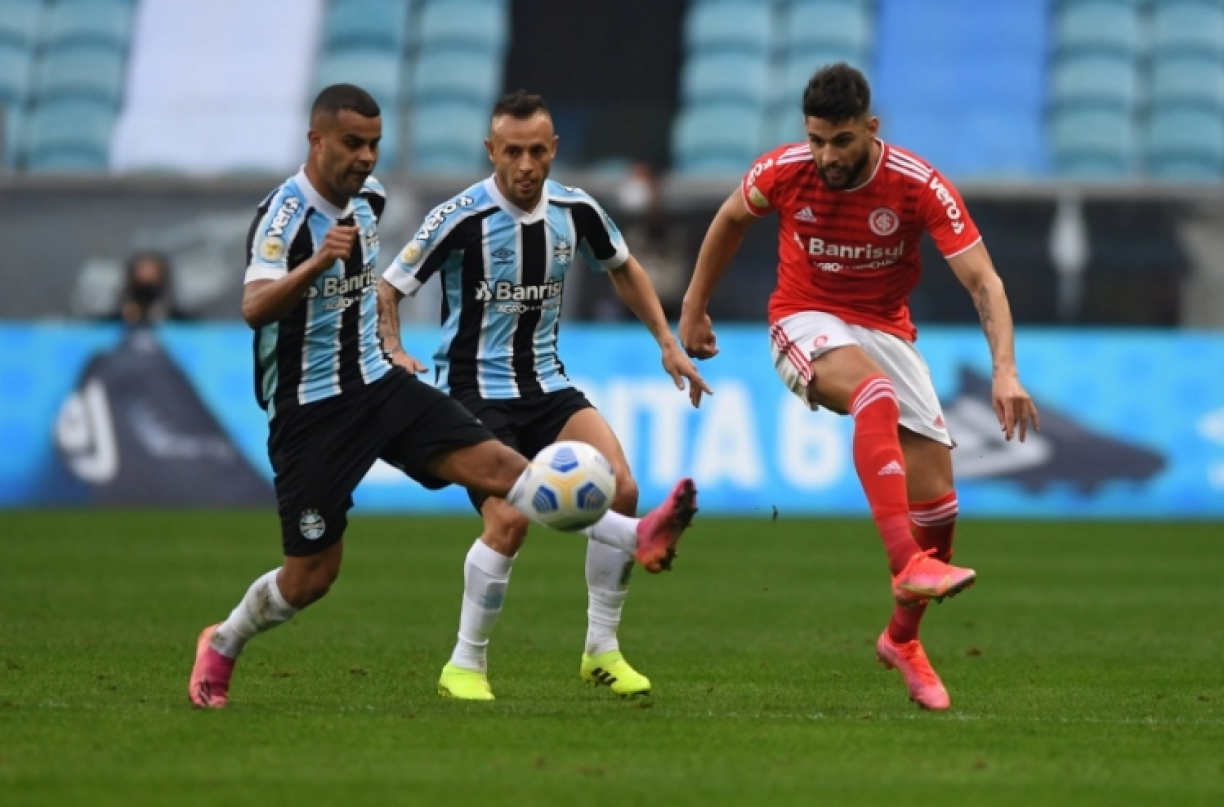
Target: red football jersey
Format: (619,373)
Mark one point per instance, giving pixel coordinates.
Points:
(854,253)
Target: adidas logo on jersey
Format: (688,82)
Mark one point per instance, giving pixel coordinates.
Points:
(806,214)
(893,468)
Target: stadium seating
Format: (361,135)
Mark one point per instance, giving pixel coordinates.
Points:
(940,65)
(730,25)
(819,24)
(375,71)
(71,131)
(1186,144)
(1095,80)
(480,25)
(716,139)
(1191,81)
(373,24)
(447,138)
(15,68)
(19,21)
(721,77)
(91,22)
(455,74)
(1095,143)
(81,72)
(1097,26)
(1188,26)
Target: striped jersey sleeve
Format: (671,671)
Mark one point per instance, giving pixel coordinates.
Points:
(432,245)
(599,239)
(276,224)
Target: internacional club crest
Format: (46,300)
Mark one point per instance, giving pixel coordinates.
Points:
(883,221)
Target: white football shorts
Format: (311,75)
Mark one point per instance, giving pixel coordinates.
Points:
(799,338)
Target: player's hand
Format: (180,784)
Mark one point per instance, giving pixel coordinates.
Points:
(337,245)
(403,358)
(697,335)
(680,367)
(1013,406)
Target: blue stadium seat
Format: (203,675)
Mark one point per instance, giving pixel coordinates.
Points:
(1106,26)
(784,125)
(375,71)
(366,24)
(1192,81)
(14,120)
(722,134)
(1183,143)
(1093,143)
(448,138)
(827,23)
(476,24)
(56,130)
(57,161)
(100,22)
(1188,27)
(84,72)
(719,76)
(1096,79)
(15,68)
(19,21)
(460,75)
(729,25)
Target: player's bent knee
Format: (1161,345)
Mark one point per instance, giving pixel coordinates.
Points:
(505,528)
(625,501)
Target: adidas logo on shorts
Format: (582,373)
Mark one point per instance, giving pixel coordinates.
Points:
(806,214)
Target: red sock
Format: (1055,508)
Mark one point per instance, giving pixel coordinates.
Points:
(934,527)
(881,466)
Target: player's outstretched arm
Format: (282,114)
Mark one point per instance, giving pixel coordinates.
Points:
(389,327)
(268,301)
(634,287)
(1013,406)
(721,242)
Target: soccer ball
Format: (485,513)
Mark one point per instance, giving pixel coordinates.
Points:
(569,486)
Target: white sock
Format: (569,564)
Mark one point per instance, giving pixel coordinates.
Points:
(486,574)
(615,531)
(607,573)
(262,609)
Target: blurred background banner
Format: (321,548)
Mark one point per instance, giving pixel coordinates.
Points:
(1133,423)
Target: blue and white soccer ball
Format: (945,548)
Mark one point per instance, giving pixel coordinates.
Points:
(570,486)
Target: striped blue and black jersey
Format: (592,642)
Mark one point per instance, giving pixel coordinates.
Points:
(503,271)
(328,343)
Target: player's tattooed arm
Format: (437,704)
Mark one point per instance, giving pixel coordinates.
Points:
(389,327)
(1013,406)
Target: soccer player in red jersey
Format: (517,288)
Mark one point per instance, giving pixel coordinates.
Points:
(851,210)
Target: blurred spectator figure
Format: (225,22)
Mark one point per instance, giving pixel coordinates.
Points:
(147,297)
(656,243)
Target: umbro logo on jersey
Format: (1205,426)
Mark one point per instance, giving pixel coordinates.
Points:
(503,255)
(806,214)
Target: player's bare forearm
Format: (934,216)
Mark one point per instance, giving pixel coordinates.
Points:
(388,317)
(633,286)
(977,274)
(719,246)
(268,301)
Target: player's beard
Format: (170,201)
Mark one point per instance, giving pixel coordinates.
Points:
(850,177)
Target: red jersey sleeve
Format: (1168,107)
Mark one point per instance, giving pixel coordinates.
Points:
(943,212)
(760,187)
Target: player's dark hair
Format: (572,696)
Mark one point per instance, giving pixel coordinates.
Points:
(520,105)
(837,93)
(332,100)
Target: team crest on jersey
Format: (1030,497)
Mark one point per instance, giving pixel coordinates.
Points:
(272,249)
(757,198)
(312,525)
(411,253)
(371,239)
(883,221)
(563,253)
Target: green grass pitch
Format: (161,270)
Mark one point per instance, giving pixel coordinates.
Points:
(1086,668)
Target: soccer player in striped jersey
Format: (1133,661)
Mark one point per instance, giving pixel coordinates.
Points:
(851,211)
(502,249)
(336,401)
